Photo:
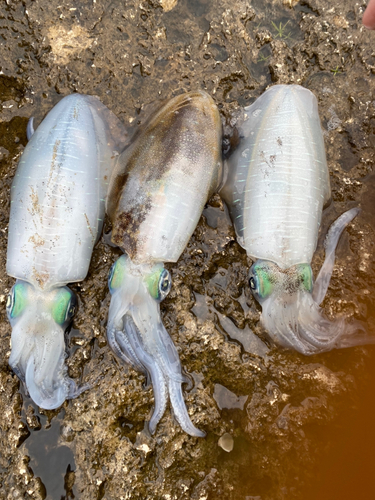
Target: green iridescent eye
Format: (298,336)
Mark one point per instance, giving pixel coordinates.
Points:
(260,281)
(305,276)
(159,284)
(117,274)
(17,300)
(64,306)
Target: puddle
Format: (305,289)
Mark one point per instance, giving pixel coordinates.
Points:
(50,460)
(227,399)
(250,342)
(204,309)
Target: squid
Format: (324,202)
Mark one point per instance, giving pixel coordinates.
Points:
(156,196)
(57,209)
(276,188)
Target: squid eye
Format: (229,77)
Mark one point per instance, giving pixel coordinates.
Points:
(110,275)
(261,280)
(159,284)
(252,284)
(10,302)
(64,306)
(165,284)
(71,310)
(305,276)
(116,274)
(17,300)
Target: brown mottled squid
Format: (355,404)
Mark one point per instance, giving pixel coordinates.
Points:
(156,197)
(277,186)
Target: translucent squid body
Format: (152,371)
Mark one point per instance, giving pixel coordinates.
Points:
(277,185)
(157,193)
(57,209)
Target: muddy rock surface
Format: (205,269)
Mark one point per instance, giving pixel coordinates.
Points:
(298,427)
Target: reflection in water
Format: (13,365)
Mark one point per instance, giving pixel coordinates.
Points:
(52,462)
(204,309)
(251,342)
(227,399)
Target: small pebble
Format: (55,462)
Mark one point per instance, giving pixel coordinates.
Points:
(226,442)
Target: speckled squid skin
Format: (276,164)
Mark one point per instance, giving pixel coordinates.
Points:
(57,196)
(161,184)
(278,177)
(277,186)
(57,210)
(163,180)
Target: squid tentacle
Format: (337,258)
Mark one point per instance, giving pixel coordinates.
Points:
(74,390)
(331,241)
(298,323)
(123,348)
(167,356)
(285,329)
(47,392)
(160,396)
(157,378)
(161,382)
(126,347)
(180,411)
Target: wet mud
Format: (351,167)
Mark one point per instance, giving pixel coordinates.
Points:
(279,425)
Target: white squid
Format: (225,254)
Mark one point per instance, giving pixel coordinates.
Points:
(277,186)
(56,216)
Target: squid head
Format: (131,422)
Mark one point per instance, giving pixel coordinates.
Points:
(289,313)
(291,301)
(137,335)
(39,320)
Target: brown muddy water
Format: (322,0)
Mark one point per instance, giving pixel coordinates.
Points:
(301,428)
